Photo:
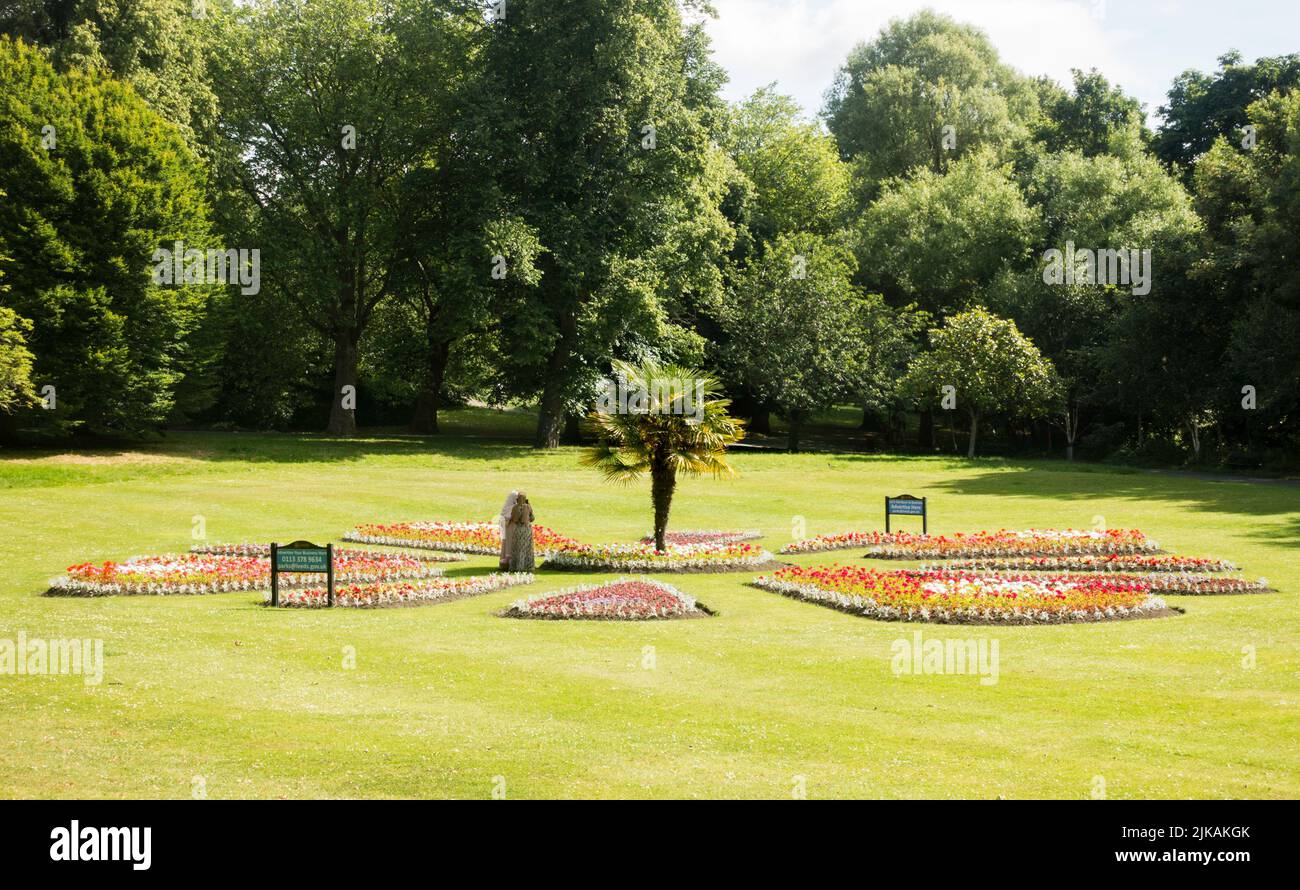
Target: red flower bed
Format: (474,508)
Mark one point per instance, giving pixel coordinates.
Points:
(459,537)
(1003,542)
(1102,562)
(251,549)
(431,590)
(687,538)
(943,596)
(729,555)
(198,573)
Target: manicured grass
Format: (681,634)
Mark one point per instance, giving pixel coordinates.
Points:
(446,698)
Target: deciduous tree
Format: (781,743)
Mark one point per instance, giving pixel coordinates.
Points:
(991,366)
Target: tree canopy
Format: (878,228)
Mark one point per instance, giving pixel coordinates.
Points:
(455,200)
(95,182)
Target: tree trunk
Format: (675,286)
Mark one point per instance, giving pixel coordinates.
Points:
(974,430)
(425,418)
(796,426)
(572,430)
(1196,440)
(663,480)
(343,420)
(550,417)
(1071,429)
(550,414)
(759,417)
(925,434)
(894,427)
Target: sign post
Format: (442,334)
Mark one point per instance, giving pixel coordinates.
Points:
(906,505)
(302,556)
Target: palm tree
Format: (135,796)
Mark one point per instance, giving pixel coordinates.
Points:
(671,422)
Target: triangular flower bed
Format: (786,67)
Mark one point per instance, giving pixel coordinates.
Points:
(625,599)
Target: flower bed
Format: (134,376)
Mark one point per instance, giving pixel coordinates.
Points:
(686,538)
(401,593)
(726,557)
(1190,584)
(1004,542)
(967,598)
(838,541)
(1162,581)
(625,599)
(250,549)
(458,537)
(200,573)
(1131,562)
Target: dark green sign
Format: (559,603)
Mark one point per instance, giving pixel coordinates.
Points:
(906,505)
(317,559)
(301,556)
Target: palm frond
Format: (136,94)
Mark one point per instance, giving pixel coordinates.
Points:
(692,442)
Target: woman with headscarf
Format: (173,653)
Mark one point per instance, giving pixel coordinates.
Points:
(518,538)
(502,521)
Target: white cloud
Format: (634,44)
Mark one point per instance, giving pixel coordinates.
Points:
(800,43)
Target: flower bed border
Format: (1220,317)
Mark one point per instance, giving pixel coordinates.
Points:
(1167,583)
(65,585)
(614,565)
(1127,563)
(344,598)
(251,549)
(441,546)
(732,536)
(642,559)
(1161,582)
(903,546)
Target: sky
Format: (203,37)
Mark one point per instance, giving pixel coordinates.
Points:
(1140,44)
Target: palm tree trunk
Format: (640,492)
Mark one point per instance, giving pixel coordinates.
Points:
(663,480)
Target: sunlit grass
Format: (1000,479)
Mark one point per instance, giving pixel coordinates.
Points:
(445,698)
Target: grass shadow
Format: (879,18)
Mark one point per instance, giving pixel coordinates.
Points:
(1075,482)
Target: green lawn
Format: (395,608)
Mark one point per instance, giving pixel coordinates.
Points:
(446,698)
